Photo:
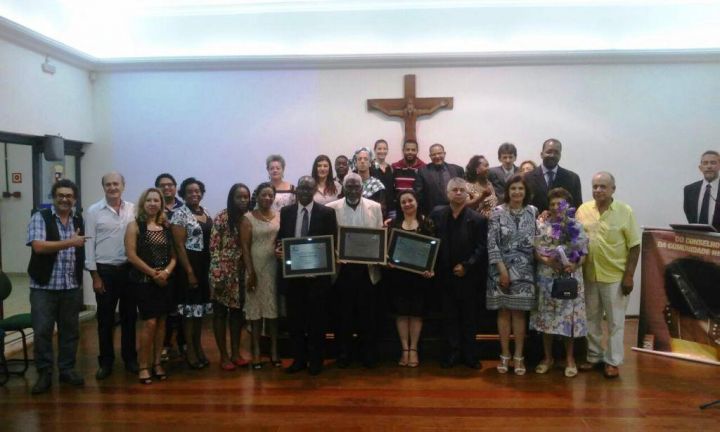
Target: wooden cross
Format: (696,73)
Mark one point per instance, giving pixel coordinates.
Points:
(409,108)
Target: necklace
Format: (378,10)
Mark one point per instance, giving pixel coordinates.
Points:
(197,211)
(265,217)
(516,212)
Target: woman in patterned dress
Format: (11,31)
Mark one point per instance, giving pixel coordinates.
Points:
(511,281)
(481,194)
(227,276)
(565,318)
(148,243)
(258,231)
(191,225)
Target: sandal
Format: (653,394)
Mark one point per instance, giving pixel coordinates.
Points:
(159,372)
(413,364)
(544,367)
(241,362)
(519,365)
(571,371)
(277,363)
(147,379)
(257,366)
(504,364)
(404,358)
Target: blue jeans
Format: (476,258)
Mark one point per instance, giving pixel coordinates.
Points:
(49,307)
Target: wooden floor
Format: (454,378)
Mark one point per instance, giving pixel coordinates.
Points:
(653,393)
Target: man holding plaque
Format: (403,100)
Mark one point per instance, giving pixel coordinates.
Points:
(357,283)
(461,272)
(307,297)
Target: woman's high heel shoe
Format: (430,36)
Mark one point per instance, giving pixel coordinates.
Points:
(147,379)
(504,365)
(519,363)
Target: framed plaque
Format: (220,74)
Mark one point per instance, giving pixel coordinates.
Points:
(362,245)
(413,252)
(308,256)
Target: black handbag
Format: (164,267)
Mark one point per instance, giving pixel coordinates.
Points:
(565,287)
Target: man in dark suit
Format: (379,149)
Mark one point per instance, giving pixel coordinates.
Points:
(433,178)
(461,272)
(549,175)
(307,298)
(507,155)
(701,198)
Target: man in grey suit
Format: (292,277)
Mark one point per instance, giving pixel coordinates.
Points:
(700,201)
(507,155)
(550,175)
(432,180)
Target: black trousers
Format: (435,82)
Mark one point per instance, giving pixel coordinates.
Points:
(358,310)
(117,290)
(459,299)
(307,315)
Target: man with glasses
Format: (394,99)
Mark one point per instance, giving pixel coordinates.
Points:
(173,323)
(56,236)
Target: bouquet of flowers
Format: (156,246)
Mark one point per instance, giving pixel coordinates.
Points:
(560,237)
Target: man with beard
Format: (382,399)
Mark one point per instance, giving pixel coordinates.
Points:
(405,170)
(356,284)
(549,175)
(306,297)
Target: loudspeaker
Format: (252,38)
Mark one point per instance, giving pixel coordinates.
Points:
(54,148)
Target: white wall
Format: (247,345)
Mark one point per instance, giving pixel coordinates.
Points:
(35,103)
(647,124)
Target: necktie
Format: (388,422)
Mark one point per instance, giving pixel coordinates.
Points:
(305,226)
(705,206)
(550,178)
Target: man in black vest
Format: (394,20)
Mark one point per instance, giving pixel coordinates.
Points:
(701,198)
(550,175)
(307,298)
(57,239)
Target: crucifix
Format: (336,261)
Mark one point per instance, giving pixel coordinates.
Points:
(409,108)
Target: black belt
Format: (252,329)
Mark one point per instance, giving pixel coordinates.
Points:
(111,267)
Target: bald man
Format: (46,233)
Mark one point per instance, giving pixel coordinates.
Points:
(106,261)
(608,271)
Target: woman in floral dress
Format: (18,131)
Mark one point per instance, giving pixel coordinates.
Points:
(227,276)
(560,247)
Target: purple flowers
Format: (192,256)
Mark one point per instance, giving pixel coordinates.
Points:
(560,236)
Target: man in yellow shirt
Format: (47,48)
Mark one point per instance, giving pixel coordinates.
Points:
(608,271)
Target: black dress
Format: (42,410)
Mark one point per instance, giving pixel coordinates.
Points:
(153,247)
(408,290)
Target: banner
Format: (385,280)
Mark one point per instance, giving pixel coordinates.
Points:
(680,295)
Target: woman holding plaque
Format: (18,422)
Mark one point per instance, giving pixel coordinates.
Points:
(328,189)
(511,257)
(258,231)
(409,289)
(560,248)
(227,276)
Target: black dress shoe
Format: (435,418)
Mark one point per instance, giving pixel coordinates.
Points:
(43,383)
(315,368)
(132,367)
(450,361)
(71,377)
(296,367)
(103,372)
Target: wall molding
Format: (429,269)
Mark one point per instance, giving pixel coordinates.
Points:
(43,45)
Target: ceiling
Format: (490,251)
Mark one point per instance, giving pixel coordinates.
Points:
(126,30)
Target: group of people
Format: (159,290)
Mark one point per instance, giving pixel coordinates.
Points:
(509,236)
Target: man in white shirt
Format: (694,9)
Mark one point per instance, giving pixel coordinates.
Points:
(701,198)
(106,261)
(357,283)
